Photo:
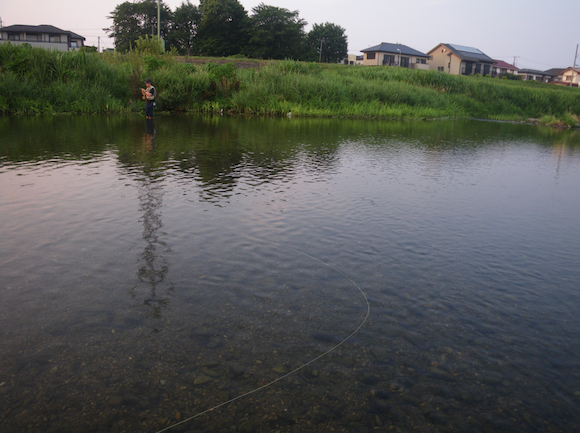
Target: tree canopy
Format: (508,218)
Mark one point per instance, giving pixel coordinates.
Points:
(276,33)
(223,28)
(184,30)
(131,20)
(327,42)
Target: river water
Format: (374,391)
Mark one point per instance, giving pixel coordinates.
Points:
(301,275)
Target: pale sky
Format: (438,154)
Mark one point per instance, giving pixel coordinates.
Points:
(539,34)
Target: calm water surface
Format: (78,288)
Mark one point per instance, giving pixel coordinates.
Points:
(150,272)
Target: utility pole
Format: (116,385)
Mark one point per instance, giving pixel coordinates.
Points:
(320,51)
(574,69)
(158,20)
(99,45)
(516,57)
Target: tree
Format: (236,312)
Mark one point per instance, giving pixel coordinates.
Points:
(131,20)
(331,38)
(277,33)
(185,22)
(223,29)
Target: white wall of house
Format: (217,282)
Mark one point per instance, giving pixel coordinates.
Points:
(570,76)
(58,42)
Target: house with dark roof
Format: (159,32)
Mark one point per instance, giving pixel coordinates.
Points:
(387,54)
(42,36)
(460,60)
(500,68)
(570,76)
(535,75)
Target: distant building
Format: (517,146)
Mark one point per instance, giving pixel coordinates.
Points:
(352,59)
(571,76)
(460,60)
(557,75)
(387,54)
(535,75)
(501,68)
(43,36)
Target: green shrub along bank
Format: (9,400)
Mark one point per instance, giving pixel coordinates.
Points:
(36,81)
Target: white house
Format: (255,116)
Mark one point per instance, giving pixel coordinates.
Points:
(43,36)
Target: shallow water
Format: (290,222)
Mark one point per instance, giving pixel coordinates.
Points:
(150,272)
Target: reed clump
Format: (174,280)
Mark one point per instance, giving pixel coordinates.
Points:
(39,81)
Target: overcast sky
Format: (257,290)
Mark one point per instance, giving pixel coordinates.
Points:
(538,34)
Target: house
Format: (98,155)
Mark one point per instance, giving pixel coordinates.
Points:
(352,59)
(570,76)
(394,55)
(460,60)
(501,68)
(43,36)
(558,78)
(535,75)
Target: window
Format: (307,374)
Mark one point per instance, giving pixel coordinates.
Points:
(33,38)
(440,68)
(74,44)
(423,61)
(371,56)
(54,38)
(389,59)
(13,37)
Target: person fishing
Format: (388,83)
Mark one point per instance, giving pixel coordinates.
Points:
(149,94)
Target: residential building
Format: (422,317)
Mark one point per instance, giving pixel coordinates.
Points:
(460,60)
(386,54)
(571,76)
(557,75)
(501,68)
(352,59)
(535,75)
(43,36)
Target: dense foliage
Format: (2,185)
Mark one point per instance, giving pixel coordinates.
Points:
(131,20)
(328,41)
(276,33)
(224,28)
(40,81)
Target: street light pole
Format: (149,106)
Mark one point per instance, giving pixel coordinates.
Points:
(574,69)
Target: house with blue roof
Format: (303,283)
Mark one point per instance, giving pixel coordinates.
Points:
(387,54)
(460,60)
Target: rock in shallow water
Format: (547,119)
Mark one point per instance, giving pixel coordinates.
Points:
(201,379)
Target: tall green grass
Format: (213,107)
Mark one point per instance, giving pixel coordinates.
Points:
(40,81)
(37,81)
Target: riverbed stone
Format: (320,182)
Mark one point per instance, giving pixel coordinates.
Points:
(202,379)
(280,369)
(116,400)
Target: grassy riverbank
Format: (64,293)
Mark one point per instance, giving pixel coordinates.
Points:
(36,81)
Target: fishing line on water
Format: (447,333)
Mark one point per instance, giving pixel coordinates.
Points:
(260,388)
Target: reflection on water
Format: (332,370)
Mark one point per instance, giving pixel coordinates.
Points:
(153,271)
(153,267)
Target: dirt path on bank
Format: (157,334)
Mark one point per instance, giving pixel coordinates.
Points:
(240,63)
